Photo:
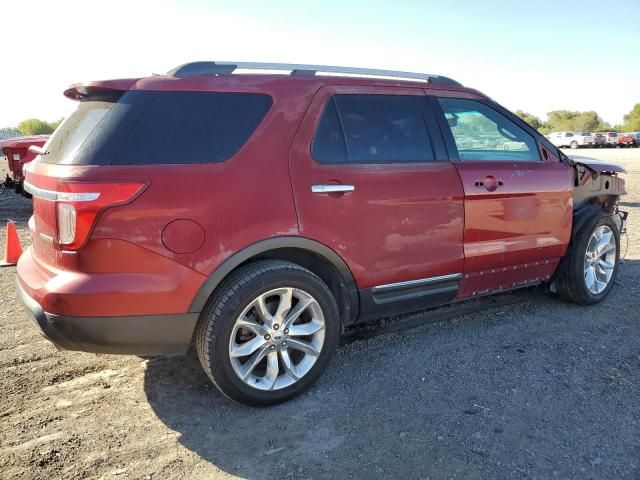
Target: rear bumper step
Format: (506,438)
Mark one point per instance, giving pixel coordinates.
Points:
(135,335)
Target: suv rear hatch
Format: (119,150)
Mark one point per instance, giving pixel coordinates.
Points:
(105,155)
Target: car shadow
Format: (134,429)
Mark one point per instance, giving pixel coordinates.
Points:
(479,396)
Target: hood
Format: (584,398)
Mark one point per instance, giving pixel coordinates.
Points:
(597,165)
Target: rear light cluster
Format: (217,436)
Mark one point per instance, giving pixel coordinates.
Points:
(78,205)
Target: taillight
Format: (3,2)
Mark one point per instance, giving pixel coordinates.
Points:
(80,203)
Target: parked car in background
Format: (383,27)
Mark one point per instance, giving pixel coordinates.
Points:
(258,215)
(572,139)
(611,139)
(18,155)
(599,140)
(627,140)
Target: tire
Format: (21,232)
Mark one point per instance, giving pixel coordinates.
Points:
(218,333)
(573,145)
(572,283)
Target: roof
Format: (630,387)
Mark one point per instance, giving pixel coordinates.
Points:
(261,77)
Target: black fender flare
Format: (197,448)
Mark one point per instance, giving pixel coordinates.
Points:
(263,246)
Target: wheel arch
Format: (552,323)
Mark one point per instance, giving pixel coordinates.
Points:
(310,254)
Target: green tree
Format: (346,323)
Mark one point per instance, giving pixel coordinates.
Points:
(632,120)
(531,119)
(35,126)
(569,121)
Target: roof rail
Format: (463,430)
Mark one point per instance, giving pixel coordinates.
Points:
(203,69)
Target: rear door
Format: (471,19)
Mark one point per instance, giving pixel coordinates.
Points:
(518,204)
(371,181)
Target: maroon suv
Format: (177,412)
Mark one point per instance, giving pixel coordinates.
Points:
(257,215)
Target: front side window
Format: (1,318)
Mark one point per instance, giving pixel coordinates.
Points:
(372,129)
(482,133)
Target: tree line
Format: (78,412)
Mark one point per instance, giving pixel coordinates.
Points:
(570,121)
(35,126)
(557,121)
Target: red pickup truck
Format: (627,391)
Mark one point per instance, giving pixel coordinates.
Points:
(627,140)
(17,152)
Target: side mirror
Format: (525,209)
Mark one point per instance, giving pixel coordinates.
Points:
(452,119)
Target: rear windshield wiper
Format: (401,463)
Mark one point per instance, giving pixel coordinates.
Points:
(38,150)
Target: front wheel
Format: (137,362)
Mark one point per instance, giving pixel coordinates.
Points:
(268,333)
(592,264)
(573,145)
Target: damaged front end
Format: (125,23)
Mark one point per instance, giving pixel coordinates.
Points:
(597,184)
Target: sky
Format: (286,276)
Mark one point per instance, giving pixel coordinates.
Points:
(536,56)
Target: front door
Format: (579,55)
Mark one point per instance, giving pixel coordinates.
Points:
(371,181)
(518,205)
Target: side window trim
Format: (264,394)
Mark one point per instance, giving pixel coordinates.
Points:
(445,131)
(450,143)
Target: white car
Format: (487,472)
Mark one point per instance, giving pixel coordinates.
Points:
(572,139)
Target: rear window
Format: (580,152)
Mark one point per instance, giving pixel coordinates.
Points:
(157,128)
(63,146)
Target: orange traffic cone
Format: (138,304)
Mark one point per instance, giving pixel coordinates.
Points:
(13,249)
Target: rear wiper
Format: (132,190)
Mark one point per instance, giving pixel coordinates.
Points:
(38,150)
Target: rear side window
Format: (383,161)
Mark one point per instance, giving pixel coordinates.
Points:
(482,133)
(372,129)
(192,127)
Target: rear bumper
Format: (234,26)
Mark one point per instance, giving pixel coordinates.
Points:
(136,335)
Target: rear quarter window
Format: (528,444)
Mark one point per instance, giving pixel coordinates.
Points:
(192,127)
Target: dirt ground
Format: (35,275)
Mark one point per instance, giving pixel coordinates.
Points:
(541,389)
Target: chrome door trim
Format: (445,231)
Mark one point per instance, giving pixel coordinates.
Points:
(416,283)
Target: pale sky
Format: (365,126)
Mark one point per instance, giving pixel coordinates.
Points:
(535,56)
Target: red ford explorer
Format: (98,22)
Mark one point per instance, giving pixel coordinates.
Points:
(256,215)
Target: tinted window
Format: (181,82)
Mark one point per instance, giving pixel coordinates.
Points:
(190,127)
(482,133)
(328,143)
(377,129)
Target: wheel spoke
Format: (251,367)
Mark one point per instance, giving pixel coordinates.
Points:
(253,361)
(604,241)
(303,346)
(247,348)
(294,314)
(589,277)
(272,370)
(605,264)
(608,249)
(263,311)
(305,329)
(252,326)
(284,306)
(289,367)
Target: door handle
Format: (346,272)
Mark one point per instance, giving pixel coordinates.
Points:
(489,183)
(339,188)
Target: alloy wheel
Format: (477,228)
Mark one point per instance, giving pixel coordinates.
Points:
(277,338)
(600,259)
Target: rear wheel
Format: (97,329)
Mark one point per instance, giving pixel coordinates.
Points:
(268,333)
(592,263)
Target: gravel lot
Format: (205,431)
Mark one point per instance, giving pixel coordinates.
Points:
(541,389)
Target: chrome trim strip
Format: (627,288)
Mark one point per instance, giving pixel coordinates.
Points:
(332,188)
(53,196)
(416,283)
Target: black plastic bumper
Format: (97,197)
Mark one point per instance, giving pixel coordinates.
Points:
(136,335)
